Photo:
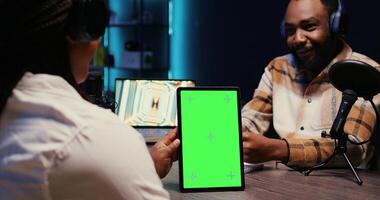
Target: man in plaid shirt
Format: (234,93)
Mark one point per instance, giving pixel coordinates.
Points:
(296,97)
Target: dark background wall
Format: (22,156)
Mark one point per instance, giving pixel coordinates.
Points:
(230,42)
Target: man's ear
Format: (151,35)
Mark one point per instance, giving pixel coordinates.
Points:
(69,40)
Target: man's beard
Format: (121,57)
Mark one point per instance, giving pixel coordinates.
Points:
(310,63)
(320,59)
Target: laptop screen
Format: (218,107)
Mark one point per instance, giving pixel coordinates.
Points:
(148,103)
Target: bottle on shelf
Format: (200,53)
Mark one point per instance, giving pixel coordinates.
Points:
(147,17)
(131,46)
(131,55)
(148,57)
(100,56)
(136,58)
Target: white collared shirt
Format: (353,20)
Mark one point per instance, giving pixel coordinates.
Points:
(56,145)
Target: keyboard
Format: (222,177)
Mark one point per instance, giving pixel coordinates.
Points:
(152,135)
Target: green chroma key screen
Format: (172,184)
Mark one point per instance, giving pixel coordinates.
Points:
(211,149)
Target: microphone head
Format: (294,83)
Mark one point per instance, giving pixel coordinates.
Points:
(355,75)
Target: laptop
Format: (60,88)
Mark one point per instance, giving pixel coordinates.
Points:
(150,106)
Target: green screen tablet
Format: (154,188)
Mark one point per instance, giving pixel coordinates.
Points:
(209,127)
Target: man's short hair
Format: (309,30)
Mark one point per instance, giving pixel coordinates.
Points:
(331,5)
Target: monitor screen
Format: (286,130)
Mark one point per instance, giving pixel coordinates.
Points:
(148,103)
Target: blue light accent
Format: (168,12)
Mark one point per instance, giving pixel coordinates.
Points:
(116,44)
(106,79)
(170,17)
(118,9)
(115,48)
(178,40)
(113,40)
(105,39)
(105,69)
(170,74)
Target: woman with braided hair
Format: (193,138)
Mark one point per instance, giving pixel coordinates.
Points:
(53,143)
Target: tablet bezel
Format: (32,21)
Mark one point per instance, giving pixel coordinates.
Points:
(180,159)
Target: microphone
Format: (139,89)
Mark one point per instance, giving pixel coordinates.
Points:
(357,76)
(348,99)
(355,79)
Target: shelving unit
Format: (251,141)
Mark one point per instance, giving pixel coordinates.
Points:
(145,23)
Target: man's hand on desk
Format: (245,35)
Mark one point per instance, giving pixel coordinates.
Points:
(258,148)
(164,153)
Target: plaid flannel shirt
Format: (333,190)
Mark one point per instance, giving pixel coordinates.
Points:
(301,110)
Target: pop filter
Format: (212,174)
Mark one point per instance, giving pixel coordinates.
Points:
(357,76)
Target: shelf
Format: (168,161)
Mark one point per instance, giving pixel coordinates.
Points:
(130,73)
(110,74)
(135,24)
(99,68)
(146,24)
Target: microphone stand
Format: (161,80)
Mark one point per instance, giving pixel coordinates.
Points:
(337,133)
(340,149)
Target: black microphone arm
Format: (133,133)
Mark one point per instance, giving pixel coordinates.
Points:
(348,99)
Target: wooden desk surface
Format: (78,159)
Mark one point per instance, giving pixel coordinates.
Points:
(281,183)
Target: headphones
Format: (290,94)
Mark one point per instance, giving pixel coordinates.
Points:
(87,20)
(336,21)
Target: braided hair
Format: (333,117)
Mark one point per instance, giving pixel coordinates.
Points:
(33,39)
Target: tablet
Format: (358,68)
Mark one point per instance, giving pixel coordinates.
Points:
(209,127)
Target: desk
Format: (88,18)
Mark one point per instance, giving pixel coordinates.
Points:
(281,183)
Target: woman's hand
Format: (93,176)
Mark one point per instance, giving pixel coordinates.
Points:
(164,153)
